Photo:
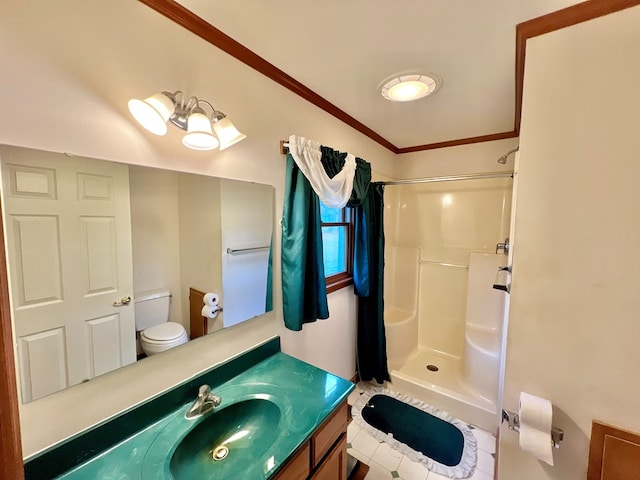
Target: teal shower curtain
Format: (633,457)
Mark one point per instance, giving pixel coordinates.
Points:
(371,337)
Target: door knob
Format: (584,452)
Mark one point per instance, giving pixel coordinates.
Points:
(126,300)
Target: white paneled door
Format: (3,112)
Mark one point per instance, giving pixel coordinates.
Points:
(68,233)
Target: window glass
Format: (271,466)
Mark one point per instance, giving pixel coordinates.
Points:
(330,215)
(334,244)
(337,244)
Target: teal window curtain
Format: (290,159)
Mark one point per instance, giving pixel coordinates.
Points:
(304,290)
(303,282)
(333,161)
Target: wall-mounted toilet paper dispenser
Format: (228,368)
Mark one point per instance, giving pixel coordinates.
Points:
(513,420)
(211,305)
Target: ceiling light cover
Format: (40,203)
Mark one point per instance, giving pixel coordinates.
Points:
(227,133)
(199,135)
(153,112)
(405,88)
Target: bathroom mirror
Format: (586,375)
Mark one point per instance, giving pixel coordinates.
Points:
(86,238)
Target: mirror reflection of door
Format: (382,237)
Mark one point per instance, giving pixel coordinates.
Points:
(77,230)
(64,216)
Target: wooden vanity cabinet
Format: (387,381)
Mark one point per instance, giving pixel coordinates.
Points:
(324,456)
(334,467)
(298,468)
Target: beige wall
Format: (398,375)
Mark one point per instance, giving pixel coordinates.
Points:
(574,329)
(154,239)
(200,239)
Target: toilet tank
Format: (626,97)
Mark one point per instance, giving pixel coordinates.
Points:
(151,308)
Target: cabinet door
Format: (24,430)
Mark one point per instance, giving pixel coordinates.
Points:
(298,467)
(329,433)
(614,453)
(334,466)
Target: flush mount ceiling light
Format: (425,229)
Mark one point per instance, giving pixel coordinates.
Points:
(405,88)
(187,114)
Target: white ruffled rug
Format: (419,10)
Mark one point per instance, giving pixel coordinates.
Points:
(467,464)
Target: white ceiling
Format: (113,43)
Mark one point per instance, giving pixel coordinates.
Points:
(343,50)
(92,54)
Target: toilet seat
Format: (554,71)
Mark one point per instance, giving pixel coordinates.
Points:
(162,337)
(164,333)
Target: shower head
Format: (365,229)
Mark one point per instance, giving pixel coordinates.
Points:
(503,158)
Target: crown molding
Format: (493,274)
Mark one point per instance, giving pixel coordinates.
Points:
(578,13)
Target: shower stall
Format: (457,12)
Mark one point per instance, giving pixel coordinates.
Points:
(444,321)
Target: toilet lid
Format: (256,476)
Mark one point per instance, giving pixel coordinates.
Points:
(164,332)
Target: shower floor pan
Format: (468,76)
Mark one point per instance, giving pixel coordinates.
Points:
(444,388)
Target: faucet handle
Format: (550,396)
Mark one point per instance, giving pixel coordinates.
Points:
(205,402)
(206,395)
(204,390)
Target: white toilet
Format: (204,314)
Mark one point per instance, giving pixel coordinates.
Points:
(157,333)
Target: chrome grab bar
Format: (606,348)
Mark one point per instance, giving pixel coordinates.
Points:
(444,264)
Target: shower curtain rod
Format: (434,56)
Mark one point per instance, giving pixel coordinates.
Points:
(449,178)
(284,149)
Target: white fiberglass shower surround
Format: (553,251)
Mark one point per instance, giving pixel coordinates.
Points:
(444,321)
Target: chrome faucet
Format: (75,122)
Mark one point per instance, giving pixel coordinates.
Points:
(205,402)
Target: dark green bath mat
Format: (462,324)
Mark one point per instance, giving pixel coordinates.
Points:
(443,443)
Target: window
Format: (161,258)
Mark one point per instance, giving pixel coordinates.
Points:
(337,246)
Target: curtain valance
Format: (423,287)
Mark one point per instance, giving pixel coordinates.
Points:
(333,188)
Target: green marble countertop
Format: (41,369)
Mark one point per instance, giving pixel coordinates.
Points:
(305,395)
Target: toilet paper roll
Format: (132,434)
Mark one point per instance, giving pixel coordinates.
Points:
(211,299)
(535,426)
(210,311)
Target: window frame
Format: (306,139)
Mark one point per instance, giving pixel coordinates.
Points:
(345,278)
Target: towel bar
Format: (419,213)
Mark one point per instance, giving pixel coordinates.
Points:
(238,250)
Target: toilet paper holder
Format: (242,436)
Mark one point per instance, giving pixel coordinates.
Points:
(513,421)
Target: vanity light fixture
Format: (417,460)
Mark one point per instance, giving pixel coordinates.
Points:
(154,112)
(408,87)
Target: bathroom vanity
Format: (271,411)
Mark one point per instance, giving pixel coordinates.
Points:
(324,456)
(279,418)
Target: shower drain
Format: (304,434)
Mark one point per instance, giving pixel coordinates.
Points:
(432,368)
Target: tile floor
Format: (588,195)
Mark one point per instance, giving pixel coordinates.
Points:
(388,464)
